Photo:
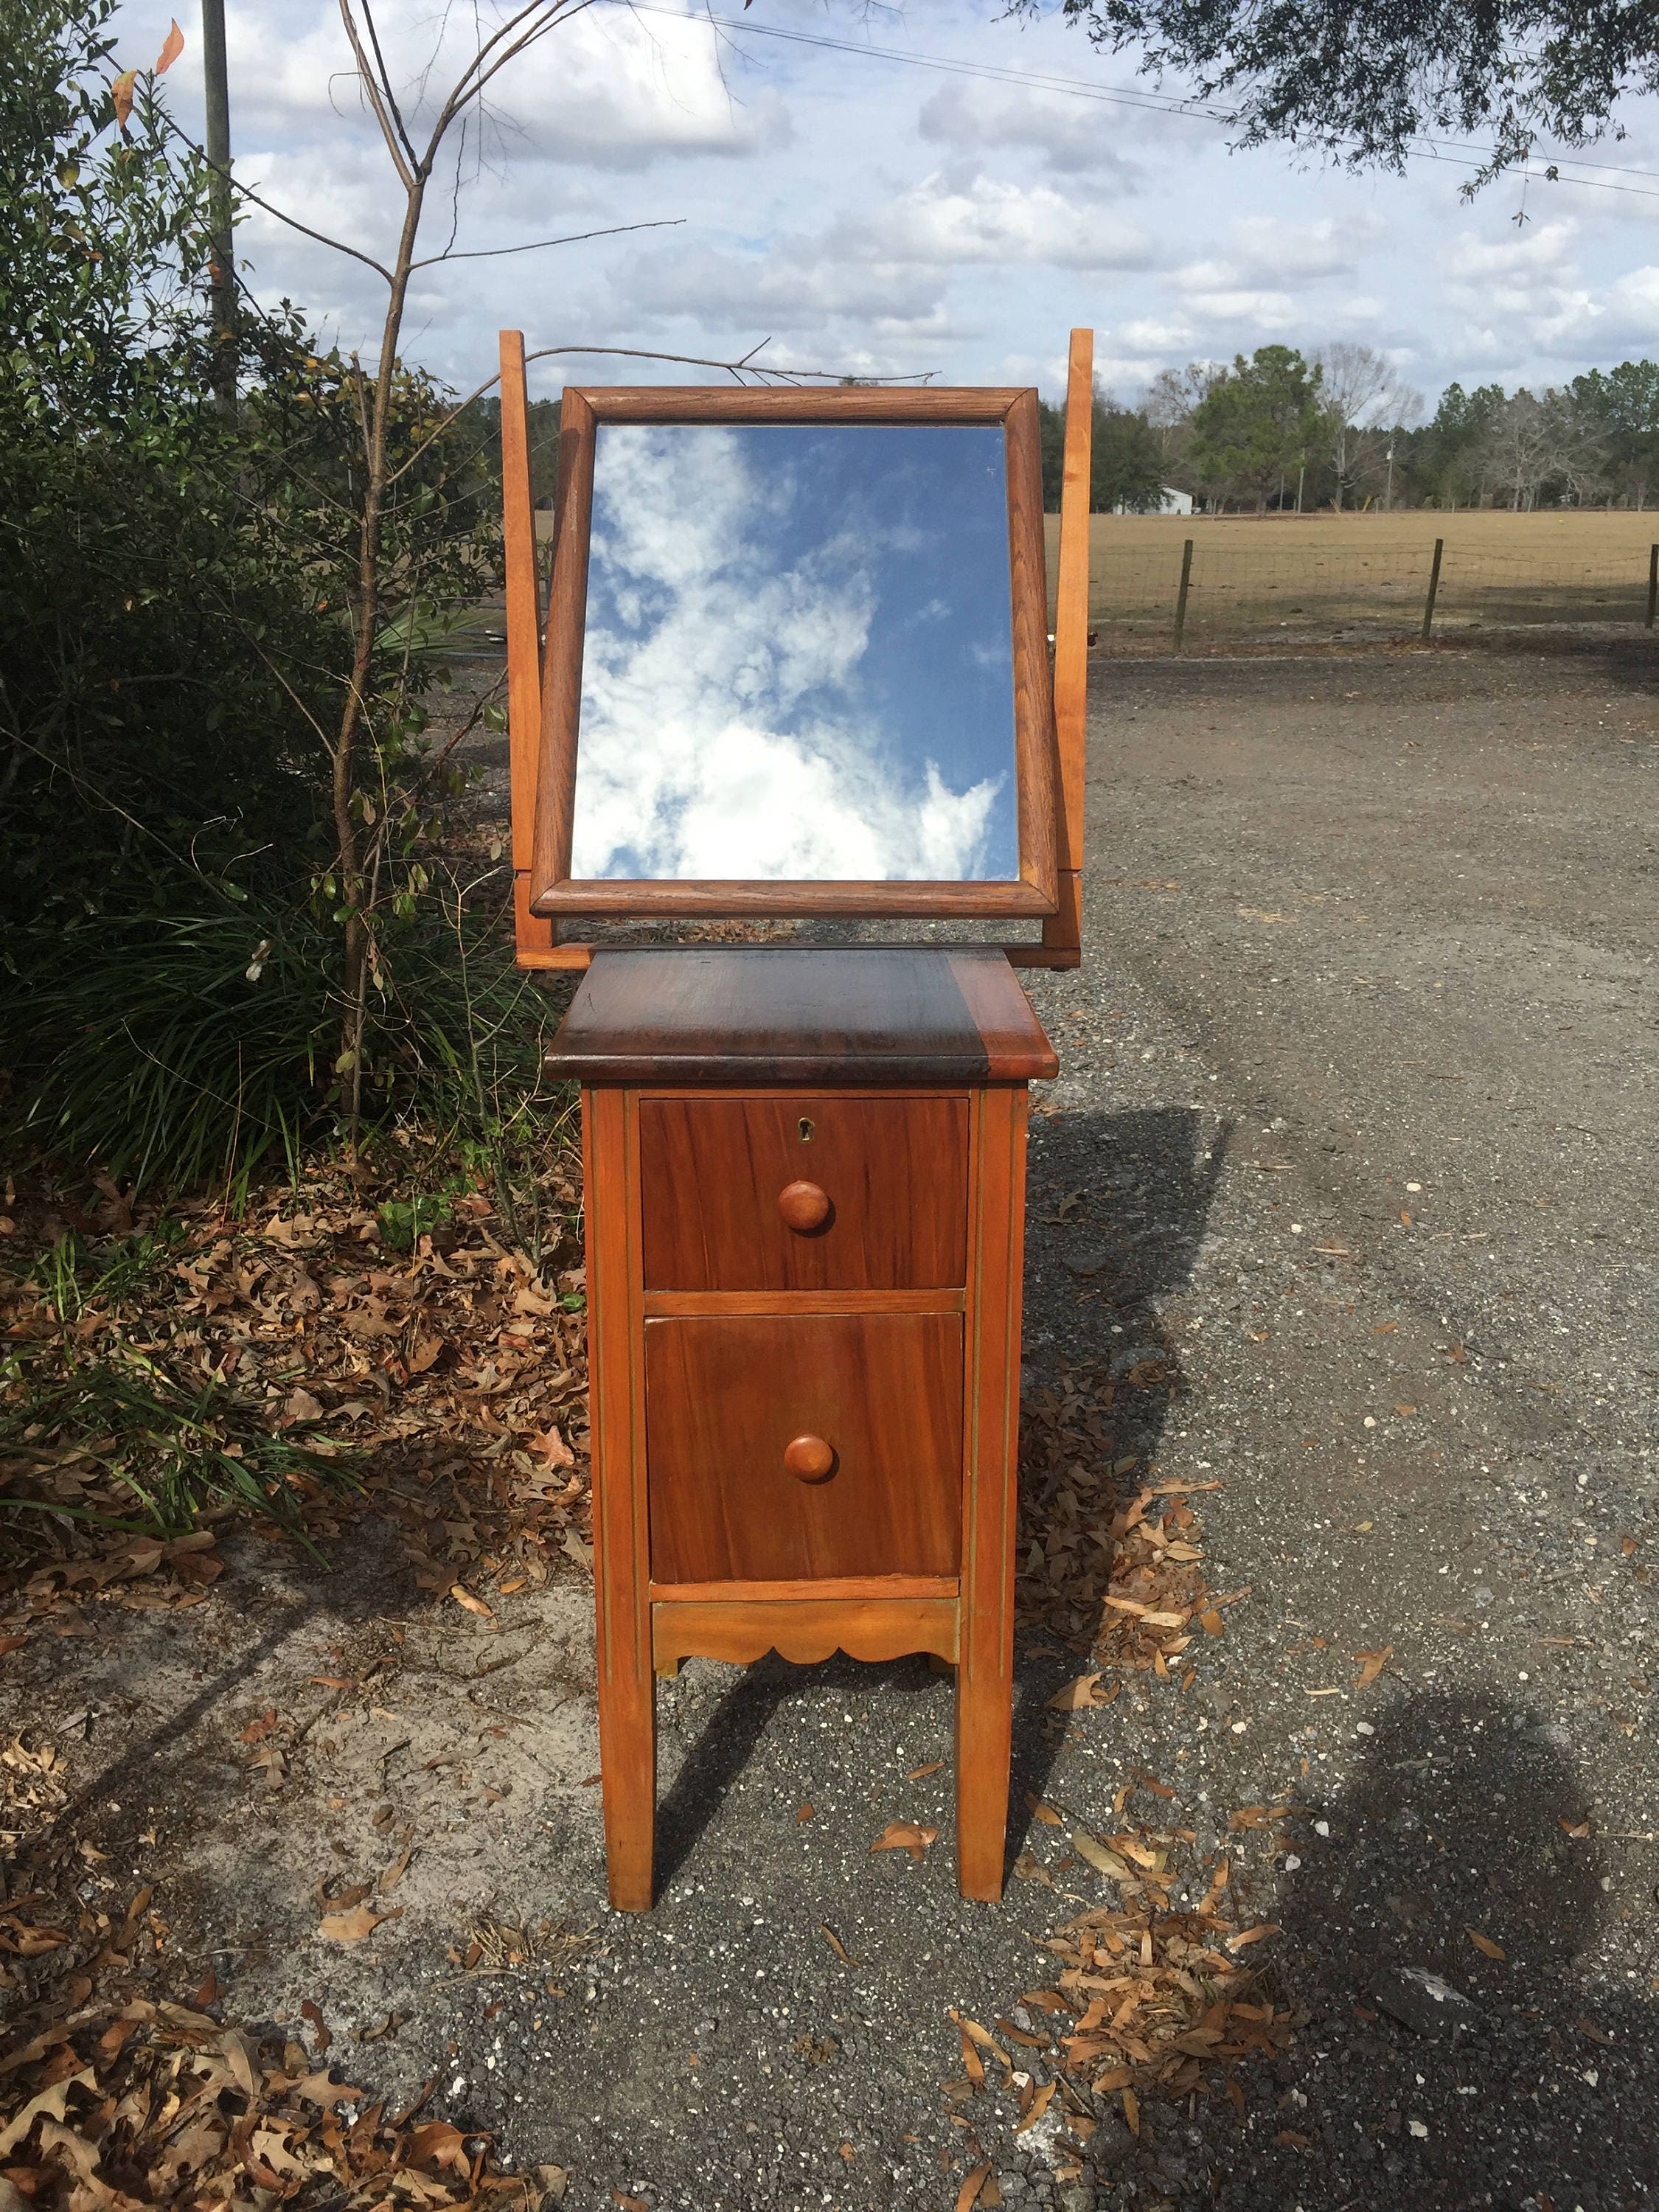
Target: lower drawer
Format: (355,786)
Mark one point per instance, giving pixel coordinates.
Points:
(726,1399)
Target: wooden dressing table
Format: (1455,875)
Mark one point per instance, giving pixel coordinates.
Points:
(804,1166)
(805,1231)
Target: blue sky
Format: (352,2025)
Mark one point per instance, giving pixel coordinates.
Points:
(797,656)
(874,214)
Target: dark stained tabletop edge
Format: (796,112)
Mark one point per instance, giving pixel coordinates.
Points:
(794,1014)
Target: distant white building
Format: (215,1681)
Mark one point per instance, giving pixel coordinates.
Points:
(1174,503)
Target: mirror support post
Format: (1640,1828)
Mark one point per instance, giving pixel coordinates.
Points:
(1062,932)
(535,941)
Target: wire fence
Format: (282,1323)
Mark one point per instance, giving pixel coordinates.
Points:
(1230,586)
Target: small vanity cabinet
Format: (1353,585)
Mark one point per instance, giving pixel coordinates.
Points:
(806,1177)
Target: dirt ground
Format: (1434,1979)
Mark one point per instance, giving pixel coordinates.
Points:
(1353,1141)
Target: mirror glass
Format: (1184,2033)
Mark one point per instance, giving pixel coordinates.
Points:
(796,664)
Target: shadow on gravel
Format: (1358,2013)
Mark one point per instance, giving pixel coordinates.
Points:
(726,1744)
(1121,1202)
(1450,2077)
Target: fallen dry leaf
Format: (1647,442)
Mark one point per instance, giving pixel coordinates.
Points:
(905,1836)
(1485,1945)
(395,1873)
(352,1927)
(1103,1860)
(1371,1664)
(920,1773)
(972,2182)
(462,1595)
(836,1944)
(1076,1695)
(1039,2105)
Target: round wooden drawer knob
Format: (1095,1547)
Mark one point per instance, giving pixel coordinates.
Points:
(803,1205)
(809,1459)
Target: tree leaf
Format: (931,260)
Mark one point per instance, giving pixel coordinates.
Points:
(1371,1664)
(905,1836)
(121,94)
(1075,1696)
(172,46)
(354,1926)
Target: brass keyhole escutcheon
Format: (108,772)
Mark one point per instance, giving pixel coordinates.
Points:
(805,1128)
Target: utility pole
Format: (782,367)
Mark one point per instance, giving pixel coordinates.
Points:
(1387,496)
(222,271)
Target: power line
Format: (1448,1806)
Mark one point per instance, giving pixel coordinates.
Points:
(1120,95)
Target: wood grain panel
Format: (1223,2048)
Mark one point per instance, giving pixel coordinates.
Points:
(895,1172)
(723,1399)
(658,1302)
(854,1016)
(628,1750)
(1035,765)
(561,658)
(986,1660)
(804,1630)
(533,936)
(820,1590)
(1062,932)
(723,403)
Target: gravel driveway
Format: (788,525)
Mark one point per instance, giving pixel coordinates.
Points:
(1352,1142)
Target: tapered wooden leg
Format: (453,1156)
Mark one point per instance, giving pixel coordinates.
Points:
(985,1661)
(628,1729)
(627,1762)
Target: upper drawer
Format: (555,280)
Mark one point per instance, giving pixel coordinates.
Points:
(889,1175)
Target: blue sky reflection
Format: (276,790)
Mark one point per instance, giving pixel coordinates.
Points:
(797,658)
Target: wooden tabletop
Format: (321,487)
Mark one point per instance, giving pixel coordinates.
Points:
(762,1013)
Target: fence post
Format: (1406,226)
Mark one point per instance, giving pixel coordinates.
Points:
(1186,580)
(1653,584)
(1434,587)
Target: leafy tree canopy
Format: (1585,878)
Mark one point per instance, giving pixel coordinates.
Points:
(1365,79)
(1126,464)
(1260,421)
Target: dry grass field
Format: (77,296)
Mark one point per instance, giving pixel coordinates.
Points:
(1359,576)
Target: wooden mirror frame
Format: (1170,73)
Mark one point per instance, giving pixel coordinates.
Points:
(553,892)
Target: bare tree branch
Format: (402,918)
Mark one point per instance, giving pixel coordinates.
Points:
(382,103)
(742,364)
(535,245)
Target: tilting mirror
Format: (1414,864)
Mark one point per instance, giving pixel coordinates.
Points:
(795,658)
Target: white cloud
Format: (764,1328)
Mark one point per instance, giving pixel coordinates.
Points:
(721,734)
(605,90)
(943,222)
(1072,137)
(879,218)
(1526,290)
(1634,299)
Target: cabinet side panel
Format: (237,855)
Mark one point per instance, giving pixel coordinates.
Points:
(985,1665)
(620,1570)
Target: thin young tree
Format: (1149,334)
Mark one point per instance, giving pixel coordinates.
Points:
(417,119)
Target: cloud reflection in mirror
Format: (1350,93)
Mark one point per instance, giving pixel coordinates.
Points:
(798,660)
